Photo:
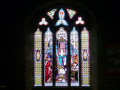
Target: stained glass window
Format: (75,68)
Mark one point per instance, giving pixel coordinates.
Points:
(71,13)
(38,58)
(61,20)
(61,58)
(48,58)
(85,57)
(79,21)
(43,22)
(51,13)
(74,52)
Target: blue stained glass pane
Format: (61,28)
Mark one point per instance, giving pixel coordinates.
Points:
(61,58)
(74,57)
(61,20)
(48,58)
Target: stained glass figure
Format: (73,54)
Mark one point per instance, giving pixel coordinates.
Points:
(61,58)
(61,20)
(79,21)
(51,13)
(38,58)
(48,58)
(71,13)
(74,57)
(43,22)
(85,61)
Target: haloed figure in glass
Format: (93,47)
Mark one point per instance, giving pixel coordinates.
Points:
(61,58)
(74,57)
(48,58)
(48,68)
(61,62)
(74,67)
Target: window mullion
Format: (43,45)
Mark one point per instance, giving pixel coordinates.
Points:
(54,57)
(79,43)
(69,67)
(43,59)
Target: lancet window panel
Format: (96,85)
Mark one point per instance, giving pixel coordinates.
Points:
(74,57)
(61,58)
(48,58)
(85,70)
(38,58)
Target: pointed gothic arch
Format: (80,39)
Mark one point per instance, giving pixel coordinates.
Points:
(63,60)
(43,30)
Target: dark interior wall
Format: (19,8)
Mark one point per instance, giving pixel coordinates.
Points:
(14,14)
(108,19)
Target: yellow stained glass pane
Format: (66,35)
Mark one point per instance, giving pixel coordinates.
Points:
(38,58)
(85,57)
